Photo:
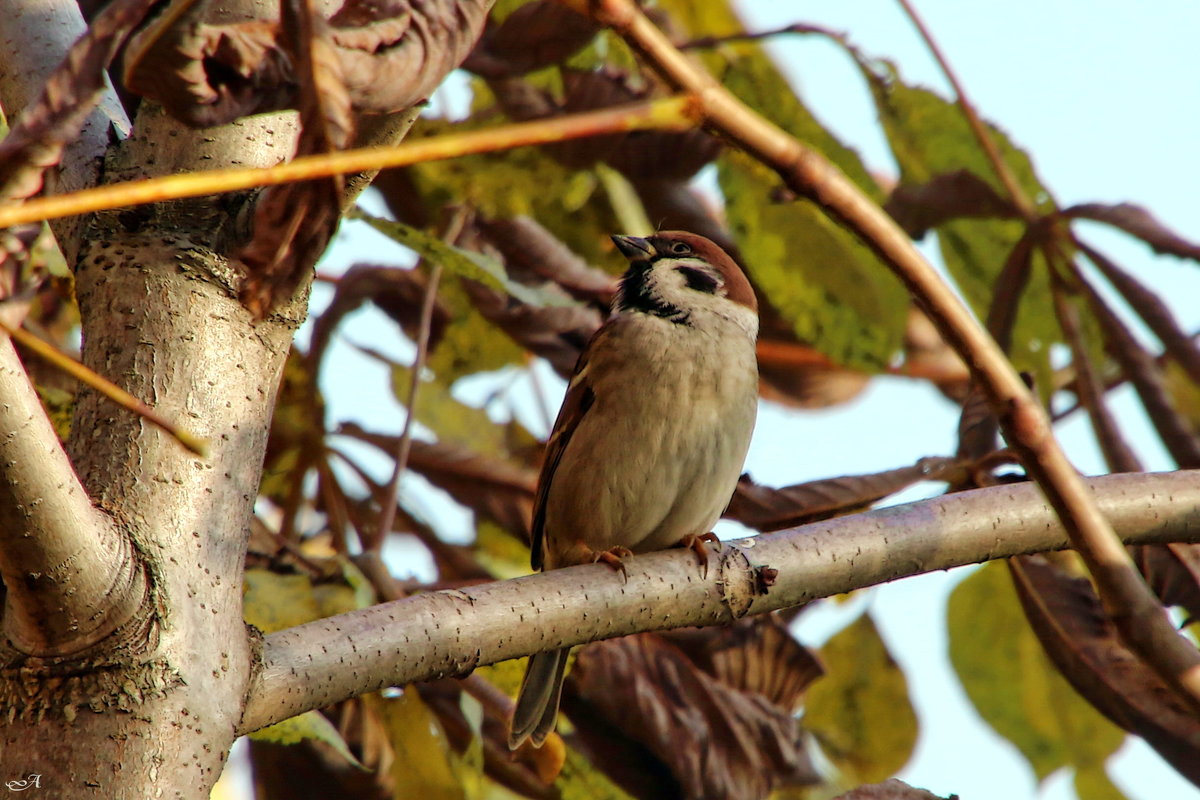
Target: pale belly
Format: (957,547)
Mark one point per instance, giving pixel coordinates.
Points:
(646,480)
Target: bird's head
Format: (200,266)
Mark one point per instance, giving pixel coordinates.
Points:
(684,278)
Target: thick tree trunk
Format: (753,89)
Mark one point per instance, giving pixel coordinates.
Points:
(152,709)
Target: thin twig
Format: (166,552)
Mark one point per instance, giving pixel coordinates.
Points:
(47,351)
(673,113)
(387,514)
(1133,607)
(1015,193)
(1118,455)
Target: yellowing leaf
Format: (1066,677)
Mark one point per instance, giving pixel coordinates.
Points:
(273,602)
(499,552)
(860,711)
(1013,684)
(1092,783)
(311,725)
(464,263)
(833,290)
(929,136)
(422,766)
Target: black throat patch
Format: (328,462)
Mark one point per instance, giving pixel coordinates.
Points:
(636,295)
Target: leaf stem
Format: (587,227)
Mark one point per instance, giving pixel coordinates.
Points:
(1006,176)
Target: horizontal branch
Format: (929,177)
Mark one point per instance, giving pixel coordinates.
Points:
(433,635)
(71,576)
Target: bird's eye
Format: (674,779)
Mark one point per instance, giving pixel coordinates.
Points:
(681,248)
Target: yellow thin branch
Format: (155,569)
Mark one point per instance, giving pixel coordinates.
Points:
(194,443)
(1133,607)
(671,113)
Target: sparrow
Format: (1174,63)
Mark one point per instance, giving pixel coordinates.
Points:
(652,434)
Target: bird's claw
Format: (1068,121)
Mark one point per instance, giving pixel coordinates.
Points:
(615,558)
(697,545)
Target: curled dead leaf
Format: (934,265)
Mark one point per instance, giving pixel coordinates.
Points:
(715,740)
(765,509)
(1076,633)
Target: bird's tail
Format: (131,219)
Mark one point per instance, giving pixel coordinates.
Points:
(537,702)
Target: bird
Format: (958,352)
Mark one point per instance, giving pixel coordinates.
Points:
(652,434)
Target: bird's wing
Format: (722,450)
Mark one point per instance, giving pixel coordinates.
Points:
(578,401)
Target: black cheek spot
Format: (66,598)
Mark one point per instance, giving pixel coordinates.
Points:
(700,280)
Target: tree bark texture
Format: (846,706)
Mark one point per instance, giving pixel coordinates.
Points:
(151,709)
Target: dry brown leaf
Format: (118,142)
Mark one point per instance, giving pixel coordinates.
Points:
(397,292)
(765,509)
(389,56)
(893,789)
(669,156)
(1010,286)
(756,654)
(1173,572)
(1067,617)
(1177,343)
(555,333)
(395,53)
(294,222)
(209,75)
(37,140)
(1088,386)
(955,195)
(532,253)
(536,35)
(1137,221)
(493,488)
(716,741)
(1146,375)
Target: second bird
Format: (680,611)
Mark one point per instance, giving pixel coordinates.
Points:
(653,432)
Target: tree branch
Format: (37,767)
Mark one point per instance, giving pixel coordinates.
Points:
(71,576)
(1133,608)
(451,632)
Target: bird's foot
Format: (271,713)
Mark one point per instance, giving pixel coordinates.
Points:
(614,557)
(697,544)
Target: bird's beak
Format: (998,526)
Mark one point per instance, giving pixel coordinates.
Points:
(633,247)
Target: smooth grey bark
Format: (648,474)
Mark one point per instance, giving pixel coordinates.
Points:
(72,575)
(151,710)
(436,634)
(145,705)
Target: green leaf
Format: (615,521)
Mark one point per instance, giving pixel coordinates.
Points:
(1014,686)
(350,594)
(522,181)
(834,291)
(860,711)
(311,725)
(929,136)
(464,263)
